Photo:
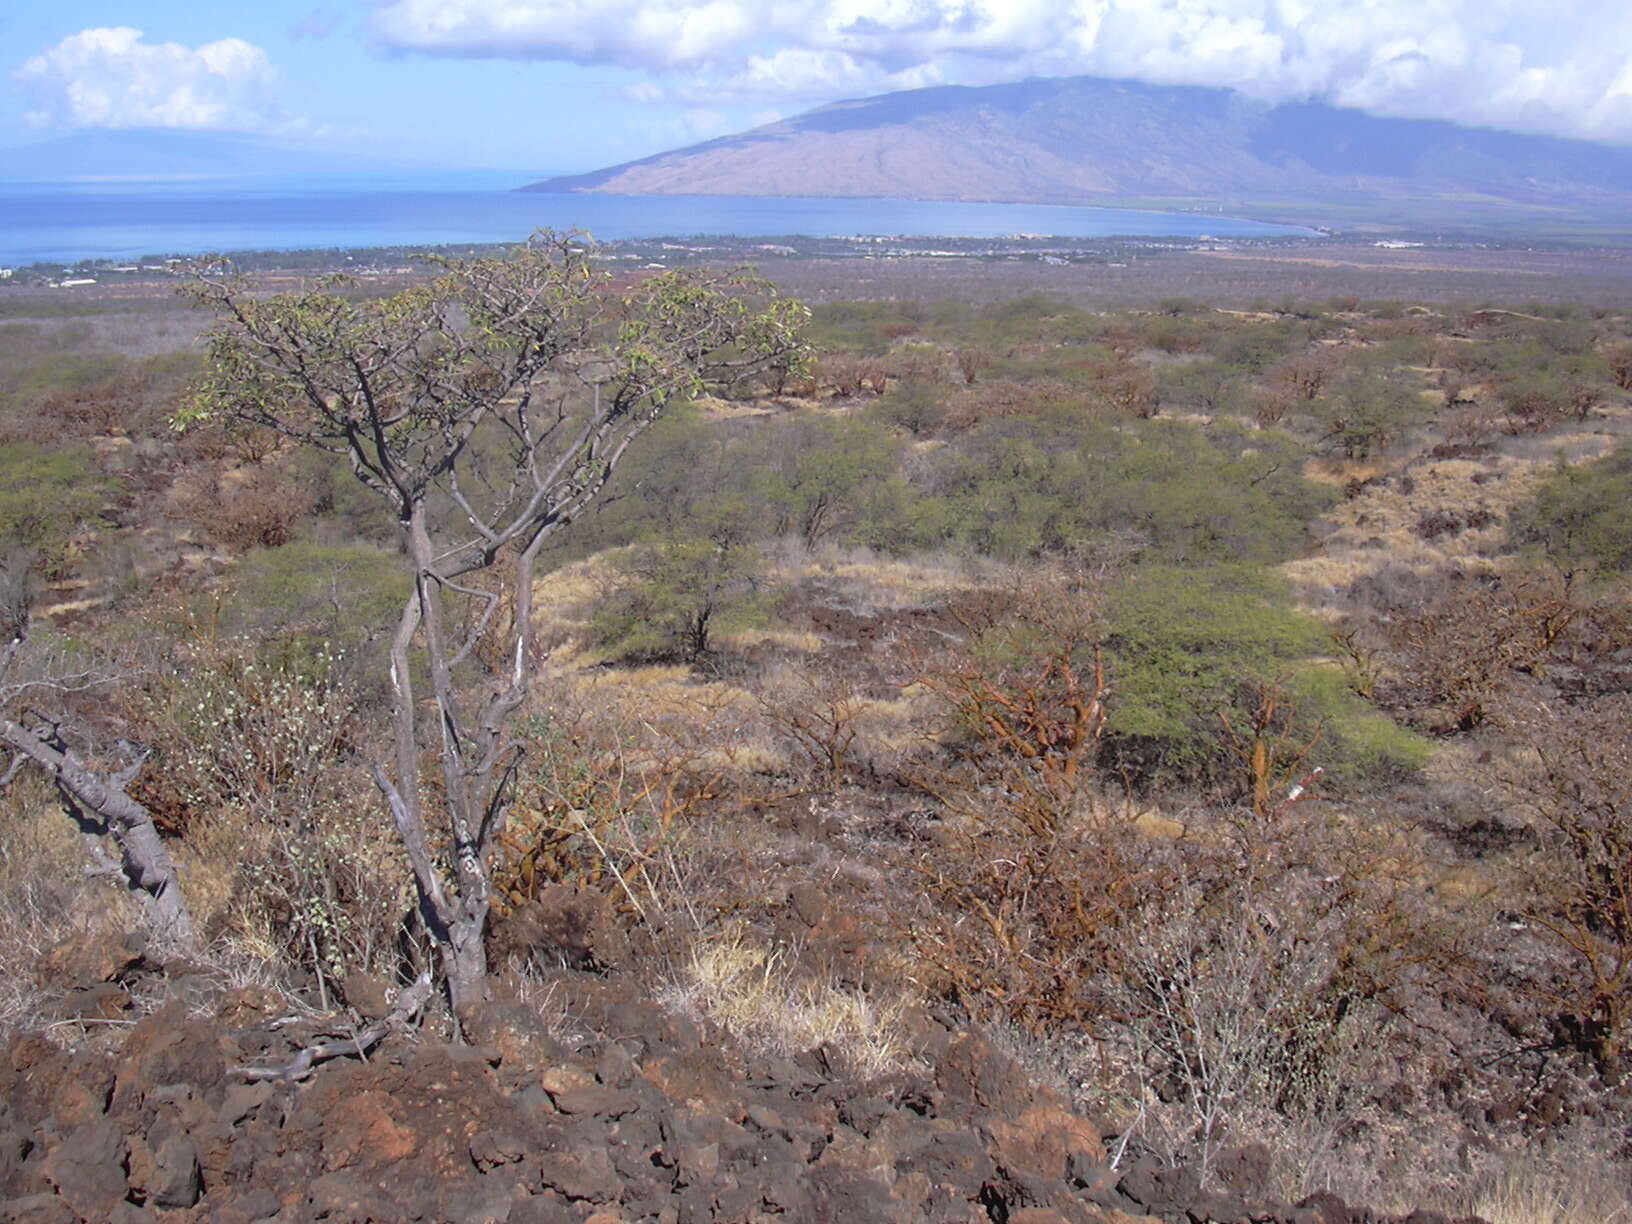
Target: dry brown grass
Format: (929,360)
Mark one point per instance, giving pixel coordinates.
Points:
(787,639)
(48,898)
(1590,1191)
(754,993)
(1381,525)
(713,408)
(868,580)
(565,599)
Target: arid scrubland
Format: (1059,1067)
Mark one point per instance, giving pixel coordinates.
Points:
(1227,709)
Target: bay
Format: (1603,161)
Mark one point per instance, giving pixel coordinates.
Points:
(73,222)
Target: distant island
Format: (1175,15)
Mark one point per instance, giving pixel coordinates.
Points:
(1086,140)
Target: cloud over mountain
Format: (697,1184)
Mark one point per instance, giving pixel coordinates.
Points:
(1518,64)
(110,77)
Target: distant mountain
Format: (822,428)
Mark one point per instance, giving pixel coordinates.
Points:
(156,155)
(1086,140)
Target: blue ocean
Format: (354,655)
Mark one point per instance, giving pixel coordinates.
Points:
(71,222)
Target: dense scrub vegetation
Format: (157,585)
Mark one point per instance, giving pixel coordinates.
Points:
(1228,704)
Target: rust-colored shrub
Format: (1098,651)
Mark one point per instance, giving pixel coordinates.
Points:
(1459,648)
(260,510)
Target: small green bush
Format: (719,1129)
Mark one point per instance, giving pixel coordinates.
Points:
(1181,644)
(1367,411)
(811,475)
(1578,517)
(1359,745)
(678,592)
(46,498)
(307,599)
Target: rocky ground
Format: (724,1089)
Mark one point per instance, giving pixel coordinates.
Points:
(633,1112)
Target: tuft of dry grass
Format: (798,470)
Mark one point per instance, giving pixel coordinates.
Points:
(48,898)
(869,581)
(757,996)
(789,639)
(1527,1193)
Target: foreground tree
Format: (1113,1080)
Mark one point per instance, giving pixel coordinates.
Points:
(487,408)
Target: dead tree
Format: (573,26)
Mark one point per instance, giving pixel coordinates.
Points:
(97,802)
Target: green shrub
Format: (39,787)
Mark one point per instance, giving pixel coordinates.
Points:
(46,498)
(917,405)
(812,474)
(308,598)
(1254,348)
(1029,486)
(1203,660)
(1578,517)
(677,592)
(1367,411)
(860,327)
(60,371)
(1205,387)
(686,578)
(1359,744)
(1182,645)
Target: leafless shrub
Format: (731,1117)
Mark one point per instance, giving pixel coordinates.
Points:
(1129,390)
(1306,375)
(1036,876)
(1470,424)
(1237,1004)
(1533,407)
(1457,649)
(820,712)
(1577,785)
(972,361)
(255,760)
(1270,405)
(849,374)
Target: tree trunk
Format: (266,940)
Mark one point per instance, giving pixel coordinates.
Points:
(467,962)
(147,867)
(457,915)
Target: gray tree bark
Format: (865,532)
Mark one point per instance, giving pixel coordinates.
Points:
(149,871)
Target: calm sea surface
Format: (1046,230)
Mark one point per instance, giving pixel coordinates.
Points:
(76,221)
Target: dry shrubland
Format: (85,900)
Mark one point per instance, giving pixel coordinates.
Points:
(1232,707)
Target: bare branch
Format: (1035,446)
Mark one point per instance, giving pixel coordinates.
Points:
(408,1005)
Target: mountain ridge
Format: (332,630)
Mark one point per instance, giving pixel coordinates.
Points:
(1083,140)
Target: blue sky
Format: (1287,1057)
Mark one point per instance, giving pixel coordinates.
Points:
(545,85)
(333,84)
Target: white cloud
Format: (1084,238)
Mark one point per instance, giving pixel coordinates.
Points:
(110,78)
(1523,64)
